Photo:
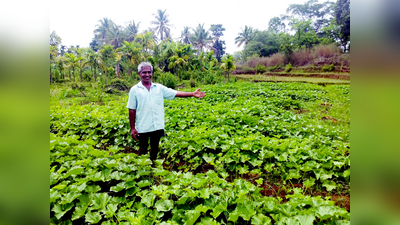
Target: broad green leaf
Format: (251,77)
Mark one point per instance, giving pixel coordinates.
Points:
(164,205)
(293,174)
(131,191)
(74,171)
(110,210)
(54,195)
(111,164)
(79,212)
(208,221)
(309,183)
(148,199)
(346,173)
(208,159)
(202,208)
(329,185)
(97,153)
(305,219)
(325,212)
(119,187)
(60,210)
(260,219)
(221,207)
(77,188)
(92,188)
(191,216)
(204,193)
(59,187)
(100,201)
(246,211)
(143,183)
(69,197)
(92,217)
(160,172)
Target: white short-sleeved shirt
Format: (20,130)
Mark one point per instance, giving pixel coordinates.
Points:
(149,105)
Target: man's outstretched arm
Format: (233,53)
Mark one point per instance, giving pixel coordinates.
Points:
(197,93)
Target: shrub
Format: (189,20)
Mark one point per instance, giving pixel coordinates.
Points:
(272,68)
(192,82)
(260,69)
(87,75)
(118,84)
(213,77)
(185,75)
(288,67)
(168,80)
(328,68)
(331,67)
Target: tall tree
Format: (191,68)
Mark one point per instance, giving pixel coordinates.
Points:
(305,35)
(218,45)
(115,35)
(162,24)
(185,35)
(101,31)
(55,40)
(93,61)
(131,53)
(147,42)
(217,30)
(132,30)
(201,38)
(245,36)
(264,43)
(107,57)
(72,62)
(342,15)
(318,13)
(276,25)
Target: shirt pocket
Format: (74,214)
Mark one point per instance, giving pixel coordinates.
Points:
(159,100)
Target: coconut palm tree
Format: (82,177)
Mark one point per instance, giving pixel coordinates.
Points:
(162,24)
(185,35)
(72,62)
(55,40)
(245,36)
(93,59)
(115,35)
(201,38)
(101,31)
(107,57)
(132,30)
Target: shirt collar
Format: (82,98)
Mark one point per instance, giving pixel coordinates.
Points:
(142,86)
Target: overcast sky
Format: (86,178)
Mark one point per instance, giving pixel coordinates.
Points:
(75,20)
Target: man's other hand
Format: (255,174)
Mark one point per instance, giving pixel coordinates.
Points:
(134,133)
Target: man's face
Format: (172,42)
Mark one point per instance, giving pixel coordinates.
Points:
(146,74)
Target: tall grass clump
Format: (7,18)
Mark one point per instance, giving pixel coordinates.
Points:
(276,60)
(325,51)
(301,57)
(270,61)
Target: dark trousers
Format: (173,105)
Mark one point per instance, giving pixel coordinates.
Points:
(155,137)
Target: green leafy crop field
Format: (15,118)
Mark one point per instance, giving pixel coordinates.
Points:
(248,153)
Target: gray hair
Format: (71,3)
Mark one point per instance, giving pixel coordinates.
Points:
(144,64)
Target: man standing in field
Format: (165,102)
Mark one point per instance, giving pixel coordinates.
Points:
(146,109)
